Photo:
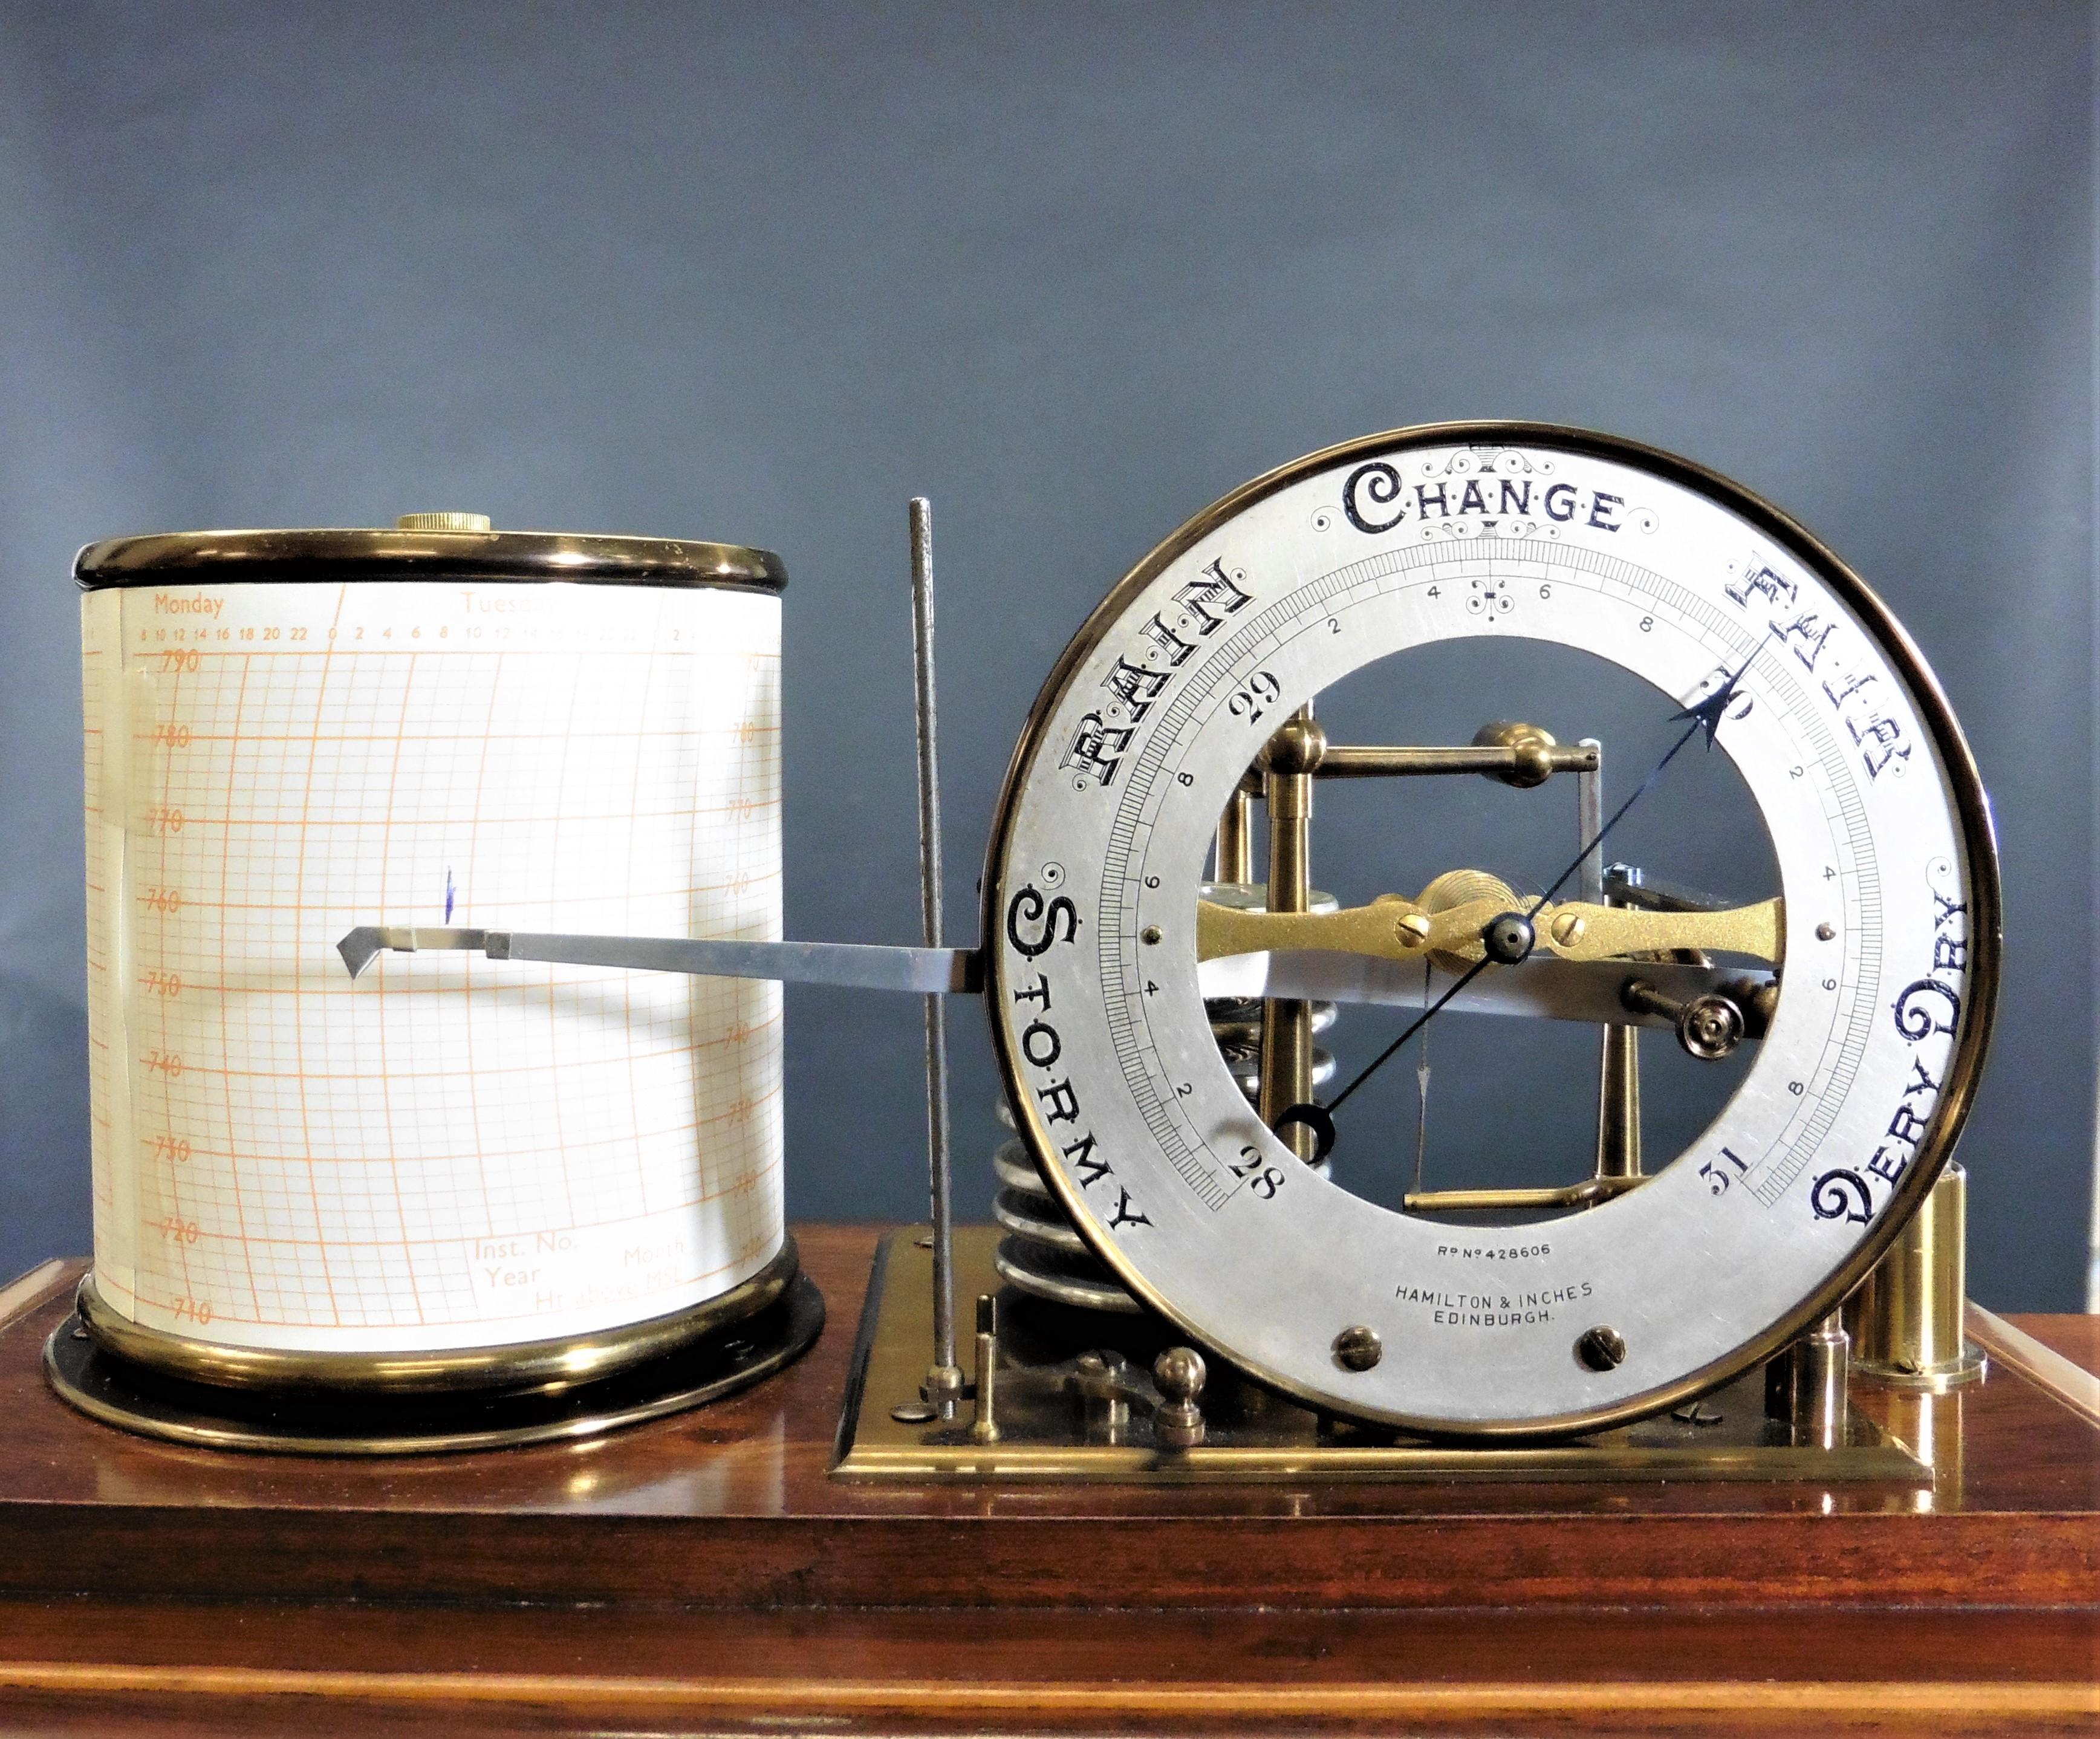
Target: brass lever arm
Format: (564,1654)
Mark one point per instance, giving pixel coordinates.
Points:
(1393,927)
(1576,930)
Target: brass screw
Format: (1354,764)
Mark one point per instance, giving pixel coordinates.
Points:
(1412,930)
(1567,928)
(1358,1348)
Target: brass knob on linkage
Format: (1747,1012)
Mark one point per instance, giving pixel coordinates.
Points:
(1299,746)
(1708,1027)
(1530,763)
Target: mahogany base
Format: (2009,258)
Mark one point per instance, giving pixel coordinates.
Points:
(707,1573)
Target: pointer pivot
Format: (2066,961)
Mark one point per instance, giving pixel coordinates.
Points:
(1509,939)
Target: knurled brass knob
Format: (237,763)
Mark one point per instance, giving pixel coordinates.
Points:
(447,521)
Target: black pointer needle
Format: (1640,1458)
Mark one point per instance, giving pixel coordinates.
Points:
(1704,716)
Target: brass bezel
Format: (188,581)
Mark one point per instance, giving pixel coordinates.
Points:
(1972,808)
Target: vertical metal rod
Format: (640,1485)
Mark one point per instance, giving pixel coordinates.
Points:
(1286,1025)
(1618,1071)
(1590,821)
(985,1429)
(1233,860)
(945,1381)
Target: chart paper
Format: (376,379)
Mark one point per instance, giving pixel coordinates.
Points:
(451,1151)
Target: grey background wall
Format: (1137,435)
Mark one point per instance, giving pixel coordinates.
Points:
(759,274)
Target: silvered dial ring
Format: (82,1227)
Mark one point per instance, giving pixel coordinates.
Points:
(1859,770)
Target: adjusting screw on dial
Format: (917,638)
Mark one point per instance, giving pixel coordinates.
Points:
(1709,1028)
(1510,939)
(1358,1349)
(1603,1347)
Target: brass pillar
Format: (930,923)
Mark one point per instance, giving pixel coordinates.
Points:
(1618,1104)
(1906,1315)
(1806,1386)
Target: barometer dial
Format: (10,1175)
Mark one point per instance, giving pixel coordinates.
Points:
(1882,940)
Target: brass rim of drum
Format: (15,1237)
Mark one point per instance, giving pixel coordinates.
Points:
(530,1367)
(107,1391)
(236,557)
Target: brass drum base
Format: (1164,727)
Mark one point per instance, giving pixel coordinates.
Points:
(136,1397)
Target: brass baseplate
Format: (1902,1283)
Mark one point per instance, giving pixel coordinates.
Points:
(1046,1432)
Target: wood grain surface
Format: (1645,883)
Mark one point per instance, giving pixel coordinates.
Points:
(705,1575)
(140,1667)
(2076,1338)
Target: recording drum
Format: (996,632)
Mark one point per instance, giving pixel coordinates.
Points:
(483,1181)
